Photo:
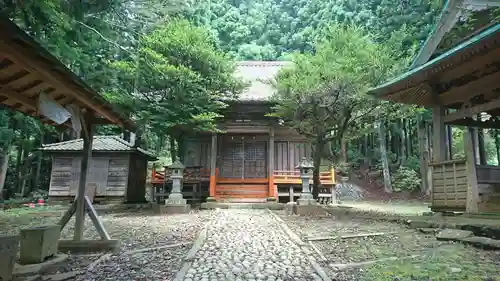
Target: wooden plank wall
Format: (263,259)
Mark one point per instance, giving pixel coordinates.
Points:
(449,184)
(62,176)
(109,174)
(118,171)
(287,154)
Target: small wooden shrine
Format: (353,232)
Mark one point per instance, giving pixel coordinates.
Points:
(254,158)
(118,169)
(461,83)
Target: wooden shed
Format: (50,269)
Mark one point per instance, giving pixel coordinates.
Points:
(113,160)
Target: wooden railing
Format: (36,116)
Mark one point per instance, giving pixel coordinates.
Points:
(190,174)
(293,177)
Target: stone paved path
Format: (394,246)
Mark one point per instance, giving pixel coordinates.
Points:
(249,245)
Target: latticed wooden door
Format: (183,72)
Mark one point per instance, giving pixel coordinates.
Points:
(255,159)
(232,157)
(242,157)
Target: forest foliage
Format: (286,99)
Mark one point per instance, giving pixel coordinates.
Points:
(167,63)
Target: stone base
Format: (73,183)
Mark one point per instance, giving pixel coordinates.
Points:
(31,269)
(310,210)
(176,209)
(8,253)
(89,246)
(290,208)
(38,243)
(218,205)
(306,201)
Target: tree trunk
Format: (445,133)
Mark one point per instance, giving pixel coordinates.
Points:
(497,146)
(424,157)
(383,155)
(173,151)
(4,164)
(181,147)
(403,153)
(318,151)
(483,160)
(449,142)
(343,150)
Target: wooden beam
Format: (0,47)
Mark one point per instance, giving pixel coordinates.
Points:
(271,163)
(488,124)
(447,20)
(9,93)
(470,66)
(471,111)
(465,92)
(213,165)
(40,68)
(84,167)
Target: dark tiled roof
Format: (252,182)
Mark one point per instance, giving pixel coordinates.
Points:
(257,73)
(100,144)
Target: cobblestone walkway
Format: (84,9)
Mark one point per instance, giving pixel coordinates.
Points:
(249,245)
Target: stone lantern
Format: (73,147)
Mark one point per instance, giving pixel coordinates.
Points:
(175,202)
(306,169)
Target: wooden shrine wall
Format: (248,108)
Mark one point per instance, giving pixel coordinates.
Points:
(109,174)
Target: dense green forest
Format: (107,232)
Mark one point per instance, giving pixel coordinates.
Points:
(168,63)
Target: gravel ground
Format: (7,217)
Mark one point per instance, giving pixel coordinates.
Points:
(416,256)
(135,229)
(249,245)
(161,265)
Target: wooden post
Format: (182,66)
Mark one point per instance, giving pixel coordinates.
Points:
(271,163)
(472,190)
(438,134)
(213,165)
(86,160)
(334,187)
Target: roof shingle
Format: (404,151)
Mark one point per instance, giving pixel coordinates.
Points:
(99,144)
(257,73)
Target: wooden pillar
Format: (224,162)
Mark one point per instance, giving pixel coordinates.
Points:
(472,190)
(438,134)
(87,135)
(213,165)
(270,163)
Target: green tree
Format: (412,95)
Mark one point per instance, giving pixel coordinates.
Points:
(179,83)
(324,94)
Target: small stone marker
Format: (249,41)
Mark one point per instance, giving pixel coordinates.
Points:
(453,234)
(8,253)
(39,243)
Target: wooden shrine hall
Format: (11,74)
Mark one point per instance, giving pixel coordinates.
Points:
(34,82)
(462,87)
(254,158)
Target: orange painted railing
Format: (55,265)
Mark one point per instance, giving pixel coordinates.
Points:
(189,174)
(293,177)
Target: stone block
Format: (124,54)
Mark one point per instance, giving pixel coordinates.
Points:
(39,243)
(290,208)
(422,224)
(177,209)
(453,234)
(310,210)
(8,252)
(89,246)
(481,242)
(306,201)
